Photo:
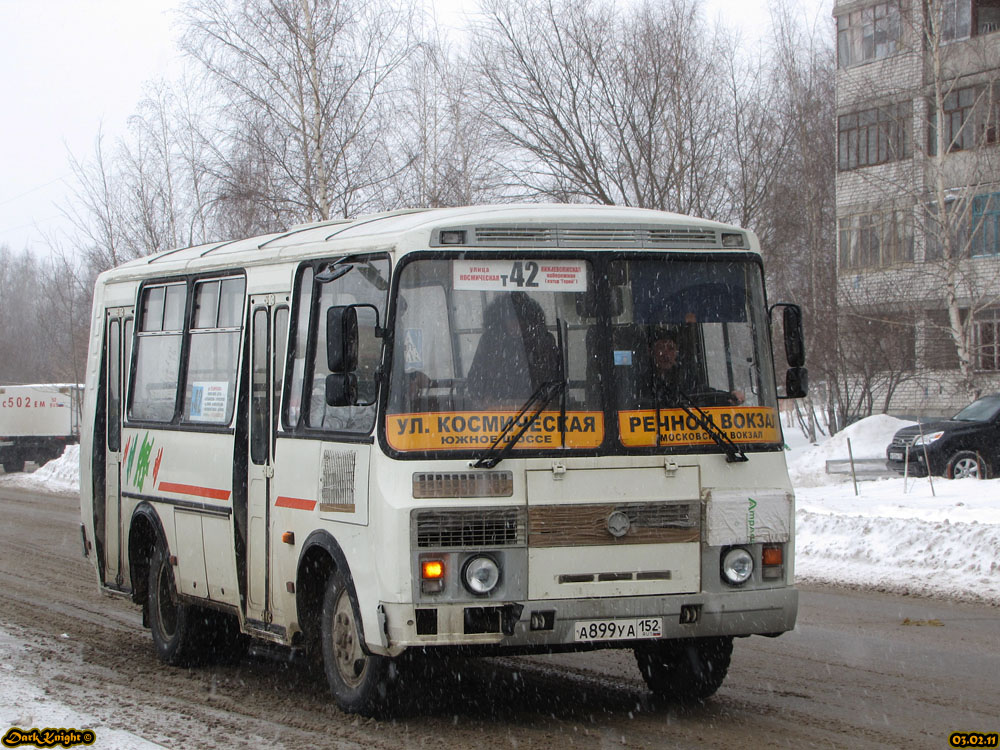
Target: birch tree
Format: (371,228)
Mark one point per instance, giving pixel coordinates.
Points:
(303,88)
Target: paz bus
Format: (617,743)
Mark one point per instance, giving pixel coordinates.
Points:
(442,431)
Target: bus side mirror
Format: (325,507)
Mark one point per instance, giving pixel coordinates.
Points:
(341,339)
(795,348)
(342,389)
(797,377)
(796,382)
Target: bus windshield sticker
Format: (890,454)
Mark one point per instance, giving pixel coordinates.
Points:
(477,430)
(741,424)
(520,275)
(413,349)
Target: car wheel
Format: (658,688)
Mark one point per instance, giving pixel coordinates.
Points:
(966,464)
(685,669)
(358,680)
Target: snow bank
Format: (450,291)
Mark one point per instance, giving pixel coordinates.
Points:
(928,536)
(869,438)
(903,555)
(60,475)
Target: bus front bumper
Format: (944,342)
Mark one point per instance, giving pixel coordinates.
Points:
(555,624)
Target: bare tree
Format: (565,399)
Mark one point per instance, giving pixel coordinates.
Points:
(451,156)
(95,209)
(22,338)
(606,103)
(797,220)
(302,85)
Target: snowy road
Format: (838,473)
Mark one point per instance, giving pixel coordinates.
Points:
(861,670)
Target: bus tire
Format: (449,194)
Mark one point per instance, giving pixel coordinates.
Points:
(172,624)
(357,680)
(685,669)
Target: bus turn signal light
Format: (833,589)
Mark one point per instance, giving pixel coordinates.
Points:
(432,576)
(771,556)
(772,562)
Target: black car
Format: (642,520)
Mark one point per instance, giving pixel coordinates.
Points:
(967,445)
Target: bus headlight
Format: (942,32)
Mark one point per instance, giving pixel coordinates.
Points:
(481,575)
(737,566)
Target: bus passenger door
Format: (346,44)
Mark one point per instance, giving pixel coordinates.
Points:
(117,341)
(268,332)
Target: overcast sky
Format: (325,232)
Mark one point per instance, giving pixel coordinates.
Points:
(73,68)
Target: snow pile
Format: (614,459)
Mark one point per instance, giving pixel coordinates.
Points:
(869,438)
(905,542)
(60,475)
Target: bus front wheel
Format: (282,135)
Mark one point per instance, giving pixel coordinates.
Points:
(685,669)
(358,680)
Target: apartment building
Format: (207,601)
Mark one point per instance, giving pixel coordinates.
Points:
(918,197)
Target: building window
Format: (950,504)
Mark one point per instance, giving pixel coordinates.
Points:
(957,112)
(986,224)
(868,34)
(971,116)
(987,16)
(940,352)
(874,136)
(986,339)
(875,239)
(960,19)
(973,230)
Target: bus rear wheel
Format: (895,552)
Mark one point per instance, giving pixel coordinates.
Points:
(357,679)
(172,624)
(685,669)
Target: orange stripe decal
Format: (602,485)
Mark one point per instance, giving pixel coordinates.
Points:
(294,502)
(190,489)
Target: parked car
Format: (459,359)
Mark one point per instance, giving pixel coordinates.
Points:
(967,445)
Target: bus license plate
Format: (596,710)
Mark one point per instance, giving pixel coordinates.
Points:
(618,630)
(895,455)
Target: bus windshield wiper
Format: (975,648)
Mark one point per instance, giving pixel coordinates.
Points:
(535,404)
(734,454)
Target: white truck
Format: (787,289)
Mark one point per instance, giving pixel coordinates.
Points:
(37,422)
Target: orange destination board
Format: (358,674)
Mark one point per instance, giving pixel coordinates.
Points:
(741,424)
(471,430)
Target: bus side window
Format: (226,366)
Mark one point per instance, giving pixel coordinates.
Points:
(158,353)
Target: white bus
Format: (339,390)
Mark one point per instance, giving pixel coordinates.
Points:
(447,430)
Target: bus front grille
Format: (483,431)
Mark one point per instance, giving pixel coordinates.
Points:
(588,524)
(437,529)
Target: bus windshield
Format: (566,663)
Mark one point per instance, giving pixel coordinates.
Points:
(640,349)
